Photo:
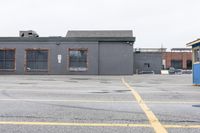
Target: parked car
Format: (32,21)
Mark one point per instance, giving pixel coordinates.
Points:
(178,71)
(172,70)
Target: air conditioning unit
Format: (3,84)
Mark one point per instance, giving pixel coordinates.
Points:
(28,33)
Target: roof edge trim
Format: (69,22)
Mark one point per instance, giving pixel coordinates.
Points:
(193,42)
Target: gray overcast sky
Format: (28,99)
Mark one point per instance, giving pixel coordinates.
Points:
(172,23)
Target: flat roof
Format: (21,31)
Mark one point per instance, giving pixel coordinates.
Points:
(80,35)
(99,33)
(150,49)
(181,49)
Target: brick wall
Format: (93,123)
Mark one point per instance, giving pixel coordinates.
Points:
(183,56)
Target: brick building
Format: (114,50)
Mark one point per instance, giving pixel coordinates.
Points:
(179,58)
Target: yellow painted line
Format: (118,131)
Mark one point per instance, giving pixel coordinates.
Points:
(92,124)
(73,124)
(158,127)
(81,101)
(182,126)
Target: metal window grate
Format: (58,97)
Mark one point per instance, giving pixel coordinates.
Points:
(36,60)
(78,59)
(7,59)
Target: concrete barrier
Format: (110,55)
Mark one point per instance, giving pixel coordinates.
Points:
(164,72)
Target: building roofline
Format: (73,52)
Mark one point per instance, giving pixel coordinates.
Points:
(193,42)
(153,50)
(99,33)
(181,49)
(67,39)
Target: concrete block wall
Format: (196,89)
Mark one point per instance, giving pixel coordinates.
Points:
(154,59)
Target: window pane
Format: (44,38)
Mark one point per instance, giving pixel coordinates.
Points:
(41,65)
(37,60)
(37,66)
(177,64)
(2,54)
(78,59)
(1,64)
(196,55)
(189,64)
(41,55)
(7,59)
(74,55)
(30,55)
(9,65)
(30,65)
(83,64)
(10,54)
(74,64)
(37,55)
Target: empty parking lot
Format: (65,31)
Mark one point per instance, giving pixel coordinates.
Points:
(88,104)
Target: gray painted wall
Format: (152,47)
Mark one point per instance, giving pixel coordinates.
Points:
(115,58)
(153,58)
(103,58)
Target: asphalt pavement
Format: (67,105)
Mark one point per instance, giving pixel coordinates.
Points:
(98,104)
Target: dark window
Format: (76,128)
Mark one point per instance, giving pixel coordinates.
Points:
(189,64)
(7,59)
(147,65)
(196,55)
(177,64)
(78,59)
(37,60)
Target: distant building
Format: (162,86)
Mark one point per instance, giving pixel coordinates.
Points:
(179,58)
(80,52)
(148,60)
(153,60)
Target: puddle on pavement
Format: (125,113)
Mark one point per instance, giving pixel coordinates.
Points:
(80,79)
(48,79)
(118,91)
(140,85)
(121,91)
(103,92)
(72,81)
(196,105)
(105,82)
(27,83)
